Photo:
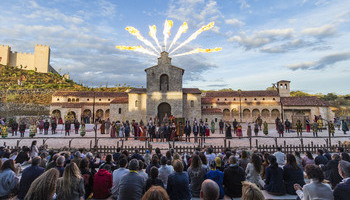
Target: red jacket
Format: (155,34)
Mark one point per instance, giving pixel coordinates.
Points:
(103,182)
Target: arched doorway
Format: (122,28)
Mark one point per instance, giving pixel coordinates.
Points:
(99,114)
(226,114)
(56,114)
(164,83)
(275,113)
(255,113)
(107,114)
(71,116)
(246,114)
(163,108)
(87,116)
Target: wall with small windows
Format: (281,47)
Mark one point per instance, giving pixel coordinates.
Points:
(192,106)
(119,112)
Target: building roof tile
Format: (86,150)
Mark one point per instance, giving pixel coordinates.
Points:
(120,100)
(256,93)
(89,94)
(211,111)
(303,101)
(191,90)
(138,90)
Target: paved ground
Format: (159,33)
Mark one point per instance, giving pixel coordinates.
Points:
(56,141)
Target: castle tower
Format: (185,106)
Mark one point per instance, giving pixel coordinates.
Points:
(164,89)
(42,58)
(283,88)
(5,54)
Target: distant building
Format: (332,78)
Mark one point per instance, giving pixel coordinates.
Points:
(39,61)
(164,94)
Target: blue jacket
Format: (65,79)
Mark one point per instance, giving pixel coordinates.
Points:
(342,191)
(28,176)
(218,177)
(274,180)
(292,176)
(178,186)
(8,182)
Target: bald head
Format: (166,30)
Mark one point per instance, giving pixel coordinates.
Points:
(344,169)
(209,190)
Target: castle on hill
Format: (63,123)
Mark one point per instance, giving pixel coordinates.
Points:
(39,61)
(165,96)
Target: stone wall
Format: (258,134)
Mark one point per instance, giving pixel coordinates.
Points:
(115,115)
(192,106)
(17,109)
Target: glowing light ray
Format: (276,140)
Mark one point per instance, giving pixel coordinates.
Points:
(133,31)
(194,35)
(137,49)
(183,28)
(198,50)
(153,34)
(166,32)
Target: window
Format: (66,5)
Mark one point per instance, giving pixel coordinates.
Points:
(136,103)
(77,100)
(109,99)
(254,99)
(263,99)
(273,99)
(164,83)
(192,103)
(245,99)
(211,106)
(216,119)
(73,100)
(206,106)
(69,100)
(225,99)
(120,111)
(99,100)
(87,99)
(218,99)
(234,99)
(58,99)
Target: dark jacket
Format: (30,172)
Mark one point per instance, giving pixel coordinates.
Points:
(331,172)
(218,177)
(88,181)
(202,130)
(22,127)
(21,157)
(46,125)
(28,176)
(274,180)
(15,126)
(131,187)
(187,129)
(342,191)
(153,182)
(102,184)
(233,177)
(67,126)
(195,129)
(292,176)
(178,186)
(321,160)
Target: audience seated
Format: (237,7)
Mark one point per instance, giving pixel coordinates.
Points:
(342,190)
(153,180)
(131,185)
(315,189)
(103,182)
(156,193)
(196,173)
(71,184)
(274,178)
(320,158)
(251,191)
(164,171)
(253,171)
(209,190)
(8,180)
(87,176)
(178,183)
(233,177)
(292,174)
(117,176)
(280,157)
(331,170)
(44,187)
(217,176)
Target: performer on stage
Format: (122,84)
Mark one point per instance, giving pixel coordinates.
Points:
(288,125)
(202,132)
(221,125)
(41,126)
(212,127)
(249,130)
(82,129)
(235,123)
(14,128)
(228,134)
(67,128)
(46,127)
(307,125)
(256,128)
(280,129)
(142,130)
(127,130)
(113,129)
(22,128)
(266,128)
(207,130)
(299,128)
(315,129)
(76,126)
(331,128)
(173,131)
(195,131)
(188,131)
(239,131)
(103,127)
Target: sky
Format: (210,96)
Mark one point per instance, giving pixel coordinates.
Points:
(304,41)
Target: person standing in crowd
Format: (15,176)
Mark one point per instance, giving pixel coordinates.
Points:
(121,130)
(210,190)
(127,130)
(233,177)
(277,121)
(161,132)
(71,184)
(331,128)
(315,189)
(274,178)
(212,127)
(307,122)
(280,157)
(8,180)
(131,185)
(266,128)
(76,126)
(41,126)
(221,126)
(217,176)
(178,183)
(287,125)
(108,125)
(228,133)
(280,129)
(14,128)
(235,126)
(239,131)
(292,174)
(157,133)
(53,125)
(34,151)
(113,130)
(195,131)
(152,131)
(315,129)
(342,190)
(188,131)
(253,171)
(28,176)
(103,127)
(202,130)
(196,174)
(44,187)
(22,128)
(344,126)
(259,121)
(320,124)
(256,128)
(103,183)
(67,128)
(46,127)
(249,130)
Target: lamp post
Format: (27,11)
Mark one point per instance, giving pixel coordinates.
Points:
(93,117)
(240,106)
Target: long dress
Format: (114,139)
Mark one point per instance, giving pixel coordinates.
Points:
(228,132)
(173,133)
(82,130)
(239,131)
(266,128)
(103,128)
(113,131)
(121,131)
(142,133)
(249,130)
(212,128)
(207,132)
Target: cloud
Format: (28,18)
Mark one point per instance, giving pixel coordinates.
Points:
(234,22)
(321,63)
(320,32)
(261,38)
(290,45)
(244,4)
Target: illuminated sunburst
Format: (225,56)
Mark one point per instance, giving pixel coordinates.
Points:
(168,24)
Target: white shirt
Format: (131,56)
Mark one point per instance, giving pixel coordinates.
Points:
(117,176)
(280,157)
(316,190)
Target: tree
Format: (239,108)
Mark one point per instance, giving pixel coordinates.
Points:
(298,94)
(330,97)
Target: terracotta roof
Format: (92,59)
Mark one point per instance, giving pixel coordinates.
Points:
(90,94)
(256,93)
(191,90)
(208,100)
(78,105)
(211,111)
(138,90)
(303,101)
(120,100)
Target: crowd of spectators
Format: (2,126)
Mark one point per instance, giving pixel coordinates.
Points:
(234,173)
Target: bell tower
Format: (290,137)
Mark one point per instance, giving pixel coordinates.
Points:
(283,88)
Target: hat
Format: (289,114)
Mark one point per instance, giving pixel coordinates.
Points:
(218,161)
(212,164)
(147,151)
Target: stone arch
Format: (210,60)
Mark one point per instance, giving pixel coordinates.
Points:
(226,114)
(235,113)
(73,99)
(255,113)
(107,113)
(136,103)
(164,109)
(69,99)
(265,113)
(77,100)
(192,103)
(71,116)
(246,113)
(164,83)
(56,114)
(275,113)
(99,114)
(87,116)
